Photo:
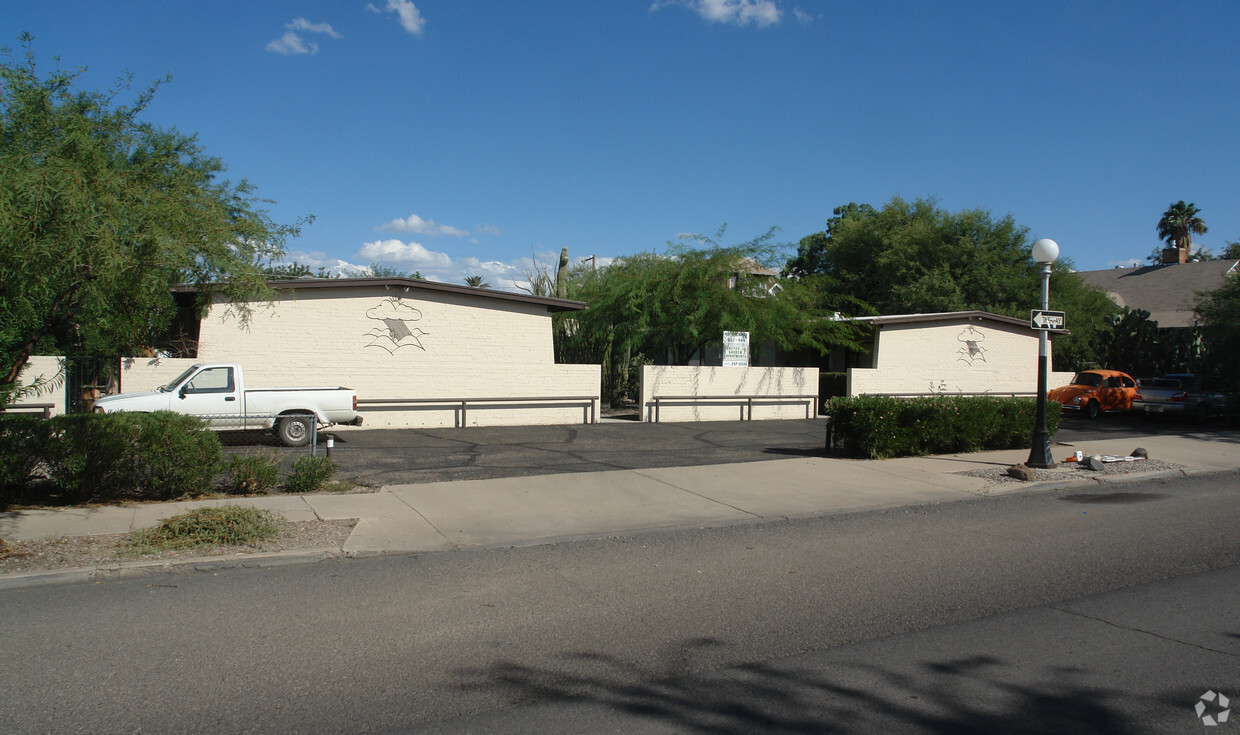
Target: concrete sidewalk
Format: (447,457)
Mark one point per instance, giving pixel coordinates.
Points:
(540,509)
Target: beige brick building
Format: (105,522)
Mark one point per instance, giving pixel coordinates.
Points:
(966,352)
(412,349)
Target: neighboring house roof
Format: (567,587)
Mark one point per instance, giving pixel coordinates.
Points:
(947,316)
(552,304)
(1167,292)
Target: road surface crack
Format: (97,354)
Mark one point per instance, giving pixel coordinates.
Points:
(1130,628)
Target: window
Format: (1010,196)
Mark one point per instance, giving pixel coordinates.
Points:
(212,380)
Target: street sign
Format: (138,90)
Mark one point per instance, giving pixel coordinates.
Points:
(1047,320)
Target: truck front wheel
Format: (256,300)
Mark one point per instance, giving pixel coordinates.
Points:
(294,431)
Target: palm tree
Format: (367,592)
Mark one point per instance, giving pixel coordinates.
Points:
(1178,225)
(476,282)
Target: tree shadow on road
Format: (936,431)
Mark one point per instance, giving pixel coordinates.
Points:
(977,694)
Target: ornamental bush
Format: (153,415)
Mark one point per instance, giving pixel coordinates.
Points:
(253,474)
(878,427)
(145,456)
(23,442)
(309,474)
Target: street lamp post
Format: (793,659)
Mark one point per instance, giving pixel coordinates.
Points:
(1044,253)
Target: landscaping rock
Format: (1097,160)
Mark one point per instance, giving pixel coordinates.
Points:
(1022,472)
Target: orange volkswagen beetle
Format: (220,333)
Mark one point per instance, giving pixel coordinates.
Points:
(1093,391)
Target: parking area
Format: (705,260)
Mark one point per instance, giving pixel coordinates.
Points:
(397,456)
(401,456)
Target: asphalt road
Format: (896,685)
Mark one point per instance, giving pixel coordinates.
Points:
(652,628)
(399,456)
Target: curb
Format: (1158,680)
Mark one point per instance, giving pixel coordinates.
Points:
(135,570)
(273,559)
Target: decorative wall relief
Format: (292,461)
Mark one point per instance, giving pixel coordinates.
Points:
(396,328)
(971,351)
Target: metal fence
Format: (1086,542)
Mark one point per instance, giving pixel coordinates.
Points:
(87,378)
(289,434)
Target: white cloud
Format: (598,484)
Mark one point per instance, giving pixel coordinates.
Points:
(435,266)
(485,229)
(403,255)
(760,13)
(291,44)
(410,19)
(301,24)
(802,17)
(414,223)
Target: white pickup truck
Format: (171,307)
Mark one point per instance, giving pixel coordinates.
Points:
(217,393)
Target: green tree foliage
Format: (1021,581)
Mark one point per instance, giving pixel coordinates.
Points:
(1218,313)
(1231,252)
(476,282)
(915,257)
(680,302)
(1136,345)
(1178,225)
(101,212)
(290,271)
(378,270)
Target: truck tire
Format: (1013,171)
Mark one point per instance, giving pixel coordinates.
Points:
(294,431)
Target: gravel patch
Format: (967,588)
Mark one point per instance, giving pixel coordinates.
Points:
(71,552)
(1075,471)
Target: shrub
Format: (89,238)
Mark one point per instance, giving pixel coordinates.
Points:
(23,445)
(176,457)
(309,474)
(253,474)
(156,456)
(223,525)
(880,426)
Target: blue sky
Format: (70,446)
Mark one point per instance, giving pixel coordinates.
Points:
(461,137)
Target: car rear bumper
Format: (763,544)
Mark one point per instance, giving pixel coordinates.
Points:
(1171,408)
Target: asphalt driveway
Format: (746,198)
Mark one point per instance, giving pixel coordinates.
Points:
(399,456)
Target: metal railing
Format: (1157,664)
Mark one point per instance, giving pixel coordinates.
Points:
(746,402)
(43,409)
(460,406)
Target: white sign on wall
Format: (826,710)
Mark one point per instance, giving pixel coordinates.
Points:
(736,349)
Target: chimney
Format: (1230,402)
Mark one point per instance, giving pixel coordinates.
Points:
(1174,255)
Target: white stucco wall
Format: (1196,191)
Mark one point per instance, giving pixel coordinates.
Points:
(954,357)
(727,384)
(48,368)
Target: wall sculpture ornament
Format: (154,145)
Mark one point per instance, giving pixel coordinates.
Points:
(971,350)
(396,327)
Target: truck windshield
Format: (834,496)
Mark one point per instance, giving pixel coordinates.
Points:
(176,381)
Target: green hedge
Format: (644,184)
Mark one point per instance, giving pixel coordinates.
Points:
(23,446)
(107,457)
(878,427)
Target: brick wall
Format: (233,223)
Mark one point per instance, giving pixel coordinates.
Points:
(394,344)
(953,357)
(48,368)
(726,383)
